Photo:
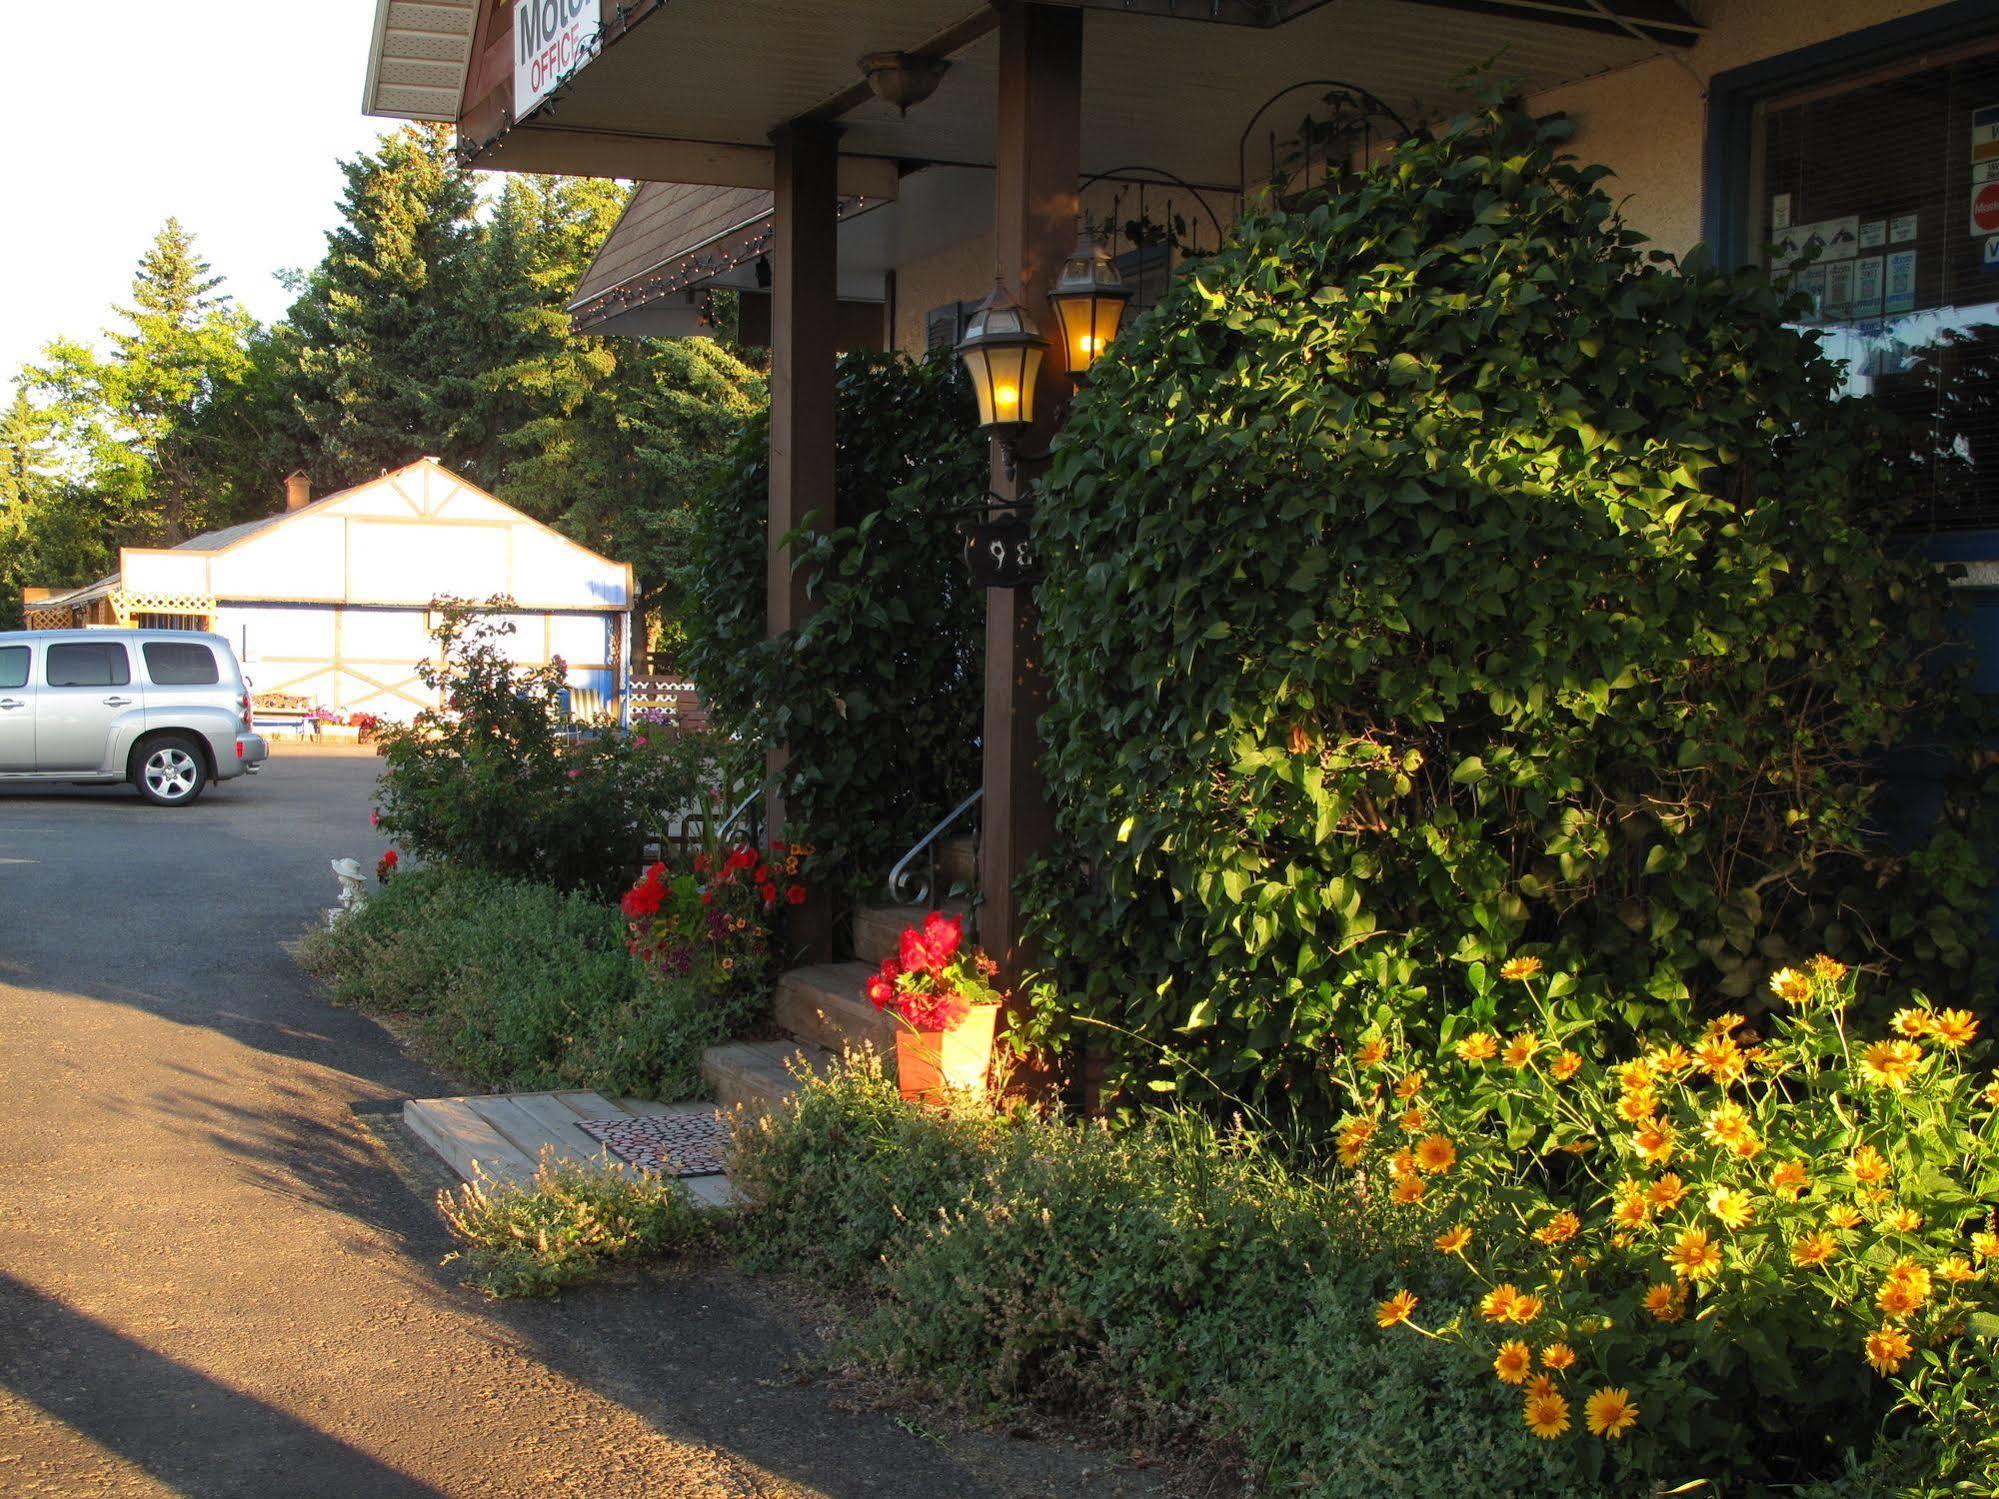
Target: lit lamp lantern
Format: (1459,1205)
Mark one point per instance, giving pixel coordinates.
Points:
(1002,350)
(1089,299)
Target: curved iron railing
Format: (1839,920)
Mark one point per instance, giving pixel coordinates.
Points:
(903,889)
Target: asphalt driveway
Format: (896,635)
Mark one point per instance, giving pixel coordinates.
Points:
(214,1282)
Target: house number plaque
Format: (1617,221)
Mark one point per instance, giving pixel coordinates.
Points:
(1000,553)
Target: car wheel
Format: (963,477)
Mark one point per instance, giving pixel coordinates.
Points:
(169,771)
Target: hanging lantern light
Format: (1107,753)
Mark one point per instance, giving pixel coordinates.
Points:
(1089,298)
(1002,350)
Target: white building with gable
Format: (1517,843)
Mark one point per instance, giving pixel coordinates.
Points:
(329,600)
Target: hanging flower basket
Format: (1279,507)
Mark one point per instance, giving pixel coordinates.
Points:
(941,994)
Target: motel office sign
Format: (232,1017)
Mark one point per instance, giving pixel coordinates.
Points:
(552,39)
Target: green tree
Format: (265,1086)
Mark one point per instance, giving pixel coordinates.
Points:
(133,416)
(381,354)
(609,439)
(52,528)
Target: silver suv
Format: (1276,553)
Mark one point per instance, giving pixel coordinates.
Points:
(166,710)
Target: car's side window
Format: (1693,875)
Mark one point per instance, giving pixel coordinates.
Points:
(13,666)
(174,663)
(88,663)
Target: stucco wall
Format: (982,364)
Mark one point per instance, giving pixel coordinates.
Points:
(963,271)
(1648,122)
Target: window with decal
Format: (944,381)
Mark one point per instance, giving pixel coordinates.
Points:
(1892,176)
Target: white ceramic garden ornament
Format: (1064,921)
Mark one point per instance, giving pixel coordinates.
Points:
(353,888)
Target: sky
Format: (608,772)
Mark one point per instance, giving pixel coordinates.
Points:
(231,115)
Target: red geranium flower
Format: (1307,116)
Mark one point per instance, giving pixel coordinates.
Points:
(769,893)
(796,895)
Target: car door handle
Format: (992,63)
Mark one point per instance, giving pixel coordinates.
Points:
(117,702)
(11,702)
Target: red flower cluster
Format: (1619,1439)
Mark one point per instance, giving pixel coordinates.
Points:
(644,898)
(932,982)
(386,866)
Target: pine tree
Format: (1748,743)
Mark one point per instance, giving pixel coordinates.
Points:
(608,438)
(383,345)
(132,415)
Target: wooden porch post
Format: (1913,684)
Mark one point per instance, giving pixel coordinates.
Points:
(1038,163)
(804,316)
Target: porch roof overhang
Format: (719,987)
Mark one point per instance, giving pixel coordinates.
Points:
(688,91)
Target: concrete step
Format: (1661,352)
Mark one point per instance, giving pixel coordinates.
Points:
(753,1073)
(825,1005)
(878,929)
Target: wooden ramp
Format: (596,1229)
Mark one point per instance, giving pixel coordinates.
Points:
(504,1134)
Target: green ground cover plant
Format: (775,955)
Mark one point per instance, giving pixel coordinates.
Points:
(879,694)
(568,1225)
(1185,1283)
(1434,575)
(517,985)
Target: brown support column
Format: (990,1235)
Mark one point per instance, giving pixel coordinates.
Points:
(804,317)
(1037,167)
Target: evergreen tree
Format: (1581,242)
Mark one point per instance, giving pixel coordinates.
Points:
(382,354)
(52,529)
(132,416)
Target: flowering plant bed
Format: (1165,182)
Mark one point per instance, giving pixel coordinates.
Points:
(1729,1252)
(717,920)
(941,992)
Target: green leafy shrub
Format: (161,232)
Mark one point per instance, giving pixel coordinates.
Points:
(493,781)
(1432,575)
(1729,1255)
(518,986)
(565,1226)
(1171,1280)
(879,694)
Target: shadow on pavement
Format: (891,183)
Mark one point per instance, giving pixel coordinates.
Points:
(199,1437)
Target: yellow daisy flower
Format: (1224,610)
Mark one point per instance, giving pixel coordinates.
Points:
(1513,1362)
(1790,986)
(1888,1349)
(1479,1047)
(1352,1139)
(1560,1228)
(1409,1189)
(1727,1124)
(1985,1245)
(1408,1087)
(1665,1193)
(1558,1356)
(1524,1309)
(1814,1249)
(1731,1208)
(1395,1309)
(1639,1105)
(1565,1066)
(1497,1304)
(1827,970)
(1519,970)
(1610,1413)
(1547,1416)
(1372,1054)
(1869,1165)
(1666,1302)
(1520,1050)
(1670,1061)
(1435,1153)
(1451,1240)
(1654,1143)
(1694,1256)
(1540,1385)
(1412,1119)
(1788,1179)
(1890,1064)
(1956,1269)
(1902,1220)
(1954,1028)
(1721,1025)
(1721,1059)
(1843,1215)
(1912,1023)
(1631,1210)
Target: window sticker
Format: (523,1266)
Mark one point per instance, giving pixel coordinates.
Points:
(1873,233)
(1904,227)
(1900,293)
(1868,276)
(1838,287)
(1780,212)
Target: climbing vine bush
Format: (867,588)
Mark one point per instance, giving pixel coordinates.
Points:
(877,694)
(1434,575)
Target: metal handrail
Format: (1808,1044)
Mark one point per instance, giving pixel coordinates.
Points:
(900,877)
(763,788)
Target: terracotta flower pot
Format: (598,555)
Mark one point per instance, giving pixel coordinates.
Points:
(928,1062)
